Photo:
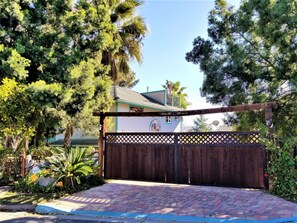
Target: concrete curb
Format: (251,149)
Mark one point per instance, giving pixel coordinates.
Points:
(18,207)
(48,209)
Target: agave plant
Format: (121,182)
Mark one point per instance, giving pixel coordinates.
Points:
(69,165)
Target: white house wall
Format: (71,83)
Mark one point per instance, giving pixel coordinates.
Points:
(142,124)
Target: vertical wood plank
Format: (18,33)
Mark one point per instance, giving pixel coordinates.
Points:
(226,165)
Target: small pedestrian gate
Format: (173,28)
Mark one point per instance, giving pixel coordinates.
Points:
(208,158)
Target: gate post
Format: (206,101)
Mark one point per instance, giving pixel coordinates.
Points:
(102,128)
(176,158)
(268,121)
(269,125)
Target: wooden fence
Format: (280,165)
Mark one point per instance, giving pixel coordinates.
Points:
(213,158)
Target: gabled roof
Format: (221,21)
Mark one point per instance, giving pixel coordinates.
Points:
(128,96)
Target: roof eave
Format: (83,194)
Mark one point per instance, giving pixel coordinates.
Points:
(147,106)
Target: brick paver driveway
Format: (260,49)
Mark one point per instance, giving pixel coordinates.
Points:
(176,199)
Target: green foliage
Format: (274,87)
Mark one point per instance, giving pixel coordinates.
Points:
(201,125)
(70,165)
(282,169)
(246,120)
(17,112)
(29,184)
(51,56)
(20,109)
(250,57)
(25,193)
(40,153)
(178,92)
(127,41)
(68,170)
(53,50)
(18,64)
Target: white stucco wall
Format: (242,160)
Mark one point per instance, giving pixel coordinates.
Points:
(142,124)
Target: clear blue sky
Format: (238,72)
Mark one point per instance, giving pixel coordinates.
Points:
(173,25)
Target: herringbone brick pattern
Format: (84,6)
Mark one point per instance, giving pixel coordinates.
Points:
(199,201)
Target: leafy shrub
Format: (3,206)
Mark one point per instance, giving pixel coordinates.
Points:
(41,153)
(283,167)
(70,165)
(42,182)
(66,171)
(29,184)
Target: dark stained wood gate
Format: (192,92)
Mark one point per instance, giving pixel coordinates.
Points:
(213,158)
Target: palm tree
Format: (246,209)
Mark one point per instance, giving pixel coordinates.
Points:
(130,31)
(177,91)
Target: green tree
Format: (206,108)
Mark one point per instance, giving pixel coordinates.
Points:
(16,111)
(200,124)
(250,57)
(59,42)
(130,32)
(177,91)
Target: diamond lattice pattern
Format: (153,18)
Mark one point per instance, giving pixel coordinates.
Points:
(209,138)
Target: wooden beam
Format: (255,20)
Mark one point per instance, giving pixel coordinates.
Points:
(268,121)
(102,129)
(236,108)
(270,128)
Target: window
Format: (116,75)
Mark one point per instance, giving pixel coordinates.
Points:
(135,109)
(168,119)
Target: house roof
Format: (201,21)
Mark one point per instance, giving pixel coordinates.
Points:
(224,128)
(128,96)
(77,142)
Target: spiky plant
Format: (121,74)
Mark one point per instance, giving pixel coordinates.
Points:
(69,165)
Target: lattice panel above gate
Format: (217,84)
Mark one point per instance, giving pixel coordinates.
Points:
(199,138)
(222,138)
(140,138)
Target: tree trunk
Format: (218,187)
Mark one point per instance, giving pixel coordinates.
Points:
(24,154)
(15,142)
(7,141)
(38,137)
(68,134)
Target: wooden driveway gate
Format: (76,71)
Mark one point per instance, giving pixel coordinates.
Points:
(209,158)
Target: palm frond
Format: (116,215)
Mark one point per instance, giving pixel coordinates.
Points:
(126,8)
